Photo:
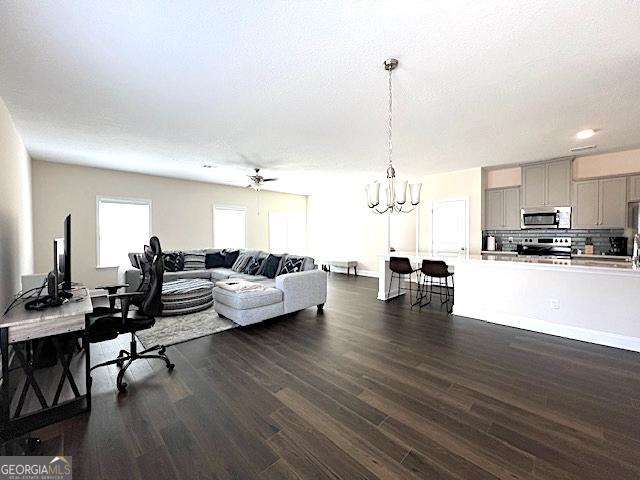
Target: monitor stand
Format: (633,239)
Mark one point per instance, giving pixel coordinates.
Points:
(65,294)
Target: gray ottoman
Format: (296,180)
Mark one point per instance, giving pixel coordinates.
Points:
(249,307)
(187,295)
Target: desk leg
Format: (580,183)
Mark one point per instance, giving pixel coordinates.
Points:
(4,400)
(87,364)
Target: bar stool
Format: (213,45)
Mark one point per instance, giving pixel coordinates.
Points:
(436,269)
(402,266)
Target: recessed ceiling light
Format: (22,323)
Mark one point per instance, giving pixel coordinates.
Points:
(584,134)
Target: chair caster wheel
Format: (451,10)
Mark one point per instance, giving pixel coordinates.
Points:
(122,387)
(171,366)
(162,351)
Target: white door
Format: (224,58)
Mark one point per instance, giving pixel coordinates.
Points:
(450,226)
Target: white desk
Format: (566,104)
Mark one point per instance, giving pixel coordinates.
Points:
(20,326)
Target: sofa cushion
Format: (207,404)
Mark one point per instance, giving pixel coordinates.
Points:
(270,266)
(247,300)
(241,262)
(194,260)
(221,273)
(291,265)
(214,260)
(249,278)
(169,276)
(230,257)
(173,261)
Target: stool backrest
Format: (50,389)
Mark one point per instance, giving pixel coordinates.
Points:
(400,265)
(434,268)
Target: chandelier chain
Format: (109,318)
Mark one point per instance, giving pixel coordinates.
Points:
(390,119)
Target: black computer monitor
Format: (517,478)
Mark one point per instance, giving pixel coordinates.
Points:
(62,257)
(66,263)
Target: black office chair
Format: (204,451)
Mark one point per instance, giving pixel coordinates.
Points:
(107,323)
(401,266)
(436,269)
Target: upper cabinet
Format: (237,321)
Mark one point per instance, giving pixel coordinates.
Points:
(547,184)
(633,188)
(599,203)
(502,209)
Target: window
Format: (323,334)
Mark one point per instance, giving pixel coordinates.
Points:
(124,225)
(229,227)
(287,233)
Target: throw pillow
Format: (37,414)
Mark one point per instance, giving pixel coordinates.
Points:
(270,266)
(173,262)
(194,260)
(253,266)
(214,260)
(292,265)
(230,258)
(241,263)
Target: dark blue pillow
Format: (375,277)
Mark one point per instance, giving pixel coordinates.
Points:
(214,260)
(230,258)
(270,266)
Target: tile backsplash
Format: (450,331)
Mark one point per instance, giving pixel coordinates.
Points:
(600,237)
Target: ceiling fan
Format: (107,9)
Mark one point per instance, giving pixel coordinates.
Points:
(257,180)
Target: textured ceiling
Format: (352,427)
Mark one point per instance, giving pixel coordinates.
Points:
(298,87)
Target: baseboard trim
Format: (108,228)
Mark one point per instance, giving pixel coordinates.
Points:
(565,331)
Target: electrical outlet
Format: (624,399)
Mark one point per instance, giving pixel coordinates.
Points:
(555,304)
(510,239)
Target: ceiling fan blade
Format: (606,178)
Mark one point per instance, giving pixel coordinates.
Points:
(269,179)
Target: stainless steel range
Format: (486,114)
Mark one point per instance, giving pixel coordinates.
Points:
(553,247)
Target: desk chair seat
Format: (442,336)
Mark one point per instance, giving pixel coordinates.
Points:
(107,323)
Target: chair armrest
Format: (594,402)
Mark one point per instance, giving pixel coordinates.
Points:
(125,300)
(111,289)
(114,287)
(302,289)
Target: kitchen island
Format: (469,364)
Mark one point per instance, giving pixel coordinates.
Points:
(590,300)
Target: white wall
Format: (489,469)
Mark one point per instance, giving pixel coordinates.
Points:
(341,225)
(182,212)
(450,185)
(16,241)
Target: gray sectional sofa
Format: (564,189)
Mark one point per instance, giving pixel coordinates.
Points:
(286,293)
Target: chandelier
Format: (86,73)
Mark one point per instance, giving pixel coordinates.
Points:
(395,191)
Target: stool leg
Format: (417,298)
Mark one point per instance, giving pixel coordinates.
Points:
(390,283)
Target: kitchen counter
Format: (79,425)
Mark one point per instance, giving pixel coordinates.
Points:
(580,298)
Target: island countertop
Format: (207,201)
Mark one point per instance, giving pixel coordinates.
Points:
(575,264)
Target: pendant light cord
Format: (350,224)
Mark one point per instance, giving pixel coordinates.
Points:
(390,119)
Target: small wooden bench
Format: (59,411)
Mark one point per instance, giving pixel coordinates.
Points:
(348,264)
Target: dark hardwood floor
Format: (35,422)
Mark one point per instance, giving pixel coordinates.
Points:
(366,390)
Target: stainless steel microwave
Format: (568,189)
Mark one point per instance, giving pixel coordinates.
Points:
(545,217)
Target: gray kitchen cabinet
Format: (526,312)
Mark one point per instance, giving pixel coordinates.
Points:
(599,203)
(502,209)
(633,188)
(613,203)
(512,208)
(585,204)
(494,216)
(547,184)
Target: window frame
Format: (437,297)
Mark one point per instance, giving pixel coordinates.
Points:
(121,200)
(238,208)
